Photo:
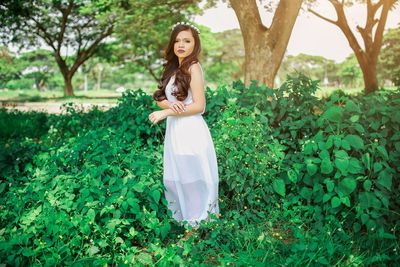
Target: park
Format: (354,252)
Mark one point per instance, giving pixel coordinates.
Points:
(308,147)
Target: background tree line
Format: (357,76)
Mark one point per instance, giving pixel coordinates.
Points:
(116,43)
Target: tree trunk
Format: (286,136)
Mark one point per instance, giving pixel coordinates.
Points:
(265,47)
(259,63)
(370,78)
(68,89)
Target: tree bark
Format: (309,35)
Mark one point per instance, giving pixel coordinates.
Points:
(265,47)
(370,78)
(68,89)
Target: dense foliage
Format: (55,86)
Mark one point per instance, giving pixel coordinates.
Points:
(302,181)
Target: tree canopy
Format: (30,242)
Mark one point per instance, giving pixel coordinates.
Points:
(390,56)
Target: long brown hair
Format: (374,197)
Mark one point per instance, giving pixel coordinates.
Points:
(182,75)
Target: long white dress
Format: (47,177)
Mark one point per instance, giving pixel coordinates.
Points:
(190,165)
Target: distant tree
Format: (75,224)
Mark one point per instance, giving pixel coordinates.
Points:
(67,27)
(39,66)
(223,55)
(349,71)
(371,33)
(316,67)
(8,67)
(389,59)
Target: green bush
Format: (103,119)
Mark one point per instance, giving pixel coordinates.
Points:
(20,84)
(303,181)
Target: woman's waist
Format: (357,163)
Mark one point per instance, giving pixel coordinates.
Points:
(185,117)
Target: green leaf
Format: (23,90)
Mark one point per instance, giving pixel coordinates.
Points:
(342,161)
(333,114)
(312,168)
(364,218)
(324,154)
(383,152)
(164,229)
(352,107)
(347,186)
(359,128)
(91,214)
(306,193)
(279,187)
(330,185)
(322,260)
(139,187)
(326,166)
(326,197)
(132,232)
(356,227)
(145,258)
(367,185)
(93,250)
(368,199)
(156,195)
(134,204)
(355,141)
(385,179)
(31,215)
(2,187)
(337,141)
(119,240)
(28,252)
(366,159)
(345,144)
(346,201)
(292,176)
(335,202)
(354,118)
(377,167)
(355,166)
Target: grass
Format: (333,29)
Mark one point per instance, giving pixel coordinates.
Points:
(98,96)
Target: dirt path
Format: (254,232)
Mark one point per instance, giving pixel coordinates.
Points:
(52,107)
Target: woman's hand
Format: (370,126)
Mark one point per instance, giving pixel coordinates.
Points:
(177,106)
(157,116)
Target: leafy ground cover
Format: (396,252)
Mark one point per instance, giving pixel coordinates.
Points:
(303,182)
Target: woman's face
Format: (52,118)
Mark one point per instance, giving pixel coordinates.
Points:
(184,44)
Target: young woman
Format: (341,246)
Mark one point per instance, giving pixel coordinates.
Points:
(190,163)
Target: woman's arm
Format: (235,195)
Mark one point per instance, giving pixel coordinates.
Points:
(177,106)
(164,104)
(198,94)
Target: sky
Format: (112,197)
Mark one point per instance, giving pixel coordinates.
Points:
(311,35)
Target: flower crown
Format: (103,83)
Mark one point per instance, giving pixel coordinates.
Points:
(187,24)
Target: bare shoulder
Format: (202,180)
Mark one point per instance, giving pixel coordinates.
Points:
(196,69)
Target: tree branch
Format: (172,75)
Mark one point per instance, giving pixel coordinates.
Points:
(248,14)
(65,13)
(377,42)
(46,36)
(85,54)
(278,29)
(322,17)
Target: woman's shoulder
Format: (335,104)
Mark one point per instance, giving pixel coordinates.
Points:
(195,66)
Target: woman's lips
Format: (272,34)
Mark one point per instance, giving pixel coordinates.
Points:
(181,51)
